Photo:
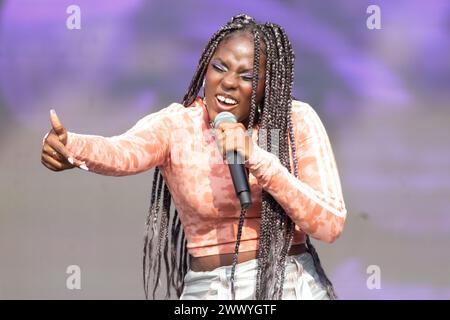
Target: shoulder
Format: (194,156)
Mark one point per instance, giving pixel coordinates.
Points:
(301,109)
(176,110)
(171,112)
(177,116)
(172,109)
(160,117)
(303,113)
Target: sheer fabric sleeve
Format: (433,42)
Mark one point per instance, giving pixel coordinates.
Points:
(141,148)
(314,200)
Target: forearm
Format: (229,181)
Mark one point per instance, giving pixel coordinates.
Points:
(322,216)
(116,156)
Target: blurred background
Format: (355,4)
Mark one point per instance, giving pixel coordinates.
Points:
(382,94)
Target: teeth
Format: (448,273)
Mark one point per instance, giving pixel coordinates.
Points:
(230,101)
(226,100)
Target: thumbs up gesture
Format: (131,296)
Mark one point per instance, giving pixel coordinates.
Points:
(55,155)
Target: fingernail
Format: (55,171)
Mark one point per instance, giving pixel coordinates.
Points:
(70,159)
(45,137)
(84,167)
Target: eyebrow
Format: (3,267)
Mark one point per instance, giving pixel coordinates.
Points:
(222,62)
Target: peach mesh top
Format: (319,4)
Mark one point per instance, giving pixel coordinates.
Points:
(180,141)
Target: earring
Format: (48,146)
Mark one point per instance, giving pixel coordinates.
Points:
(259,109)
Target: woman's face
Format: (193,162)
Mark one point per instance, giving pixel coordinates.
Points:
(228,83)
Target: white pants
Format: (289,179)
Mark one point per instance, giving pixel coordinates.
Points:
(301,281)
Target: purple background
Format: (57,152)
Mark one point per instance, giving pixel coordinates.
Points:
(383,96)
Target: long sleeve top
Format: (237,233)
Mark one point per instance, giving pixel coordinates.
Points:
(180,141)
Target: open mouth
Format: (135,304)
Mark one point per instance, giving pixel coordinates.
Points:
(226,102)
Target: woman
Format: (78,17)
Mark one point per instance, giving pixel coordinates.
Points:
(215,249)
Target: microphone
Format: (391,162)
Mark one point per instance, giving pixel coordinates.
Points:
(236,165)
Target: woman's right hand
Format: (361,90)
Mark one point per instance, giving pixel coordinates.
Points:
(55,155)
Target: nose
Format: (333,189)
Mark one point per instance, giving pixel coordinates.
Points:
(229,81)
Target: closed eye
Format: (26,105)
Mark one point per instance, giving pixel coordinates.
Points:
(218,68)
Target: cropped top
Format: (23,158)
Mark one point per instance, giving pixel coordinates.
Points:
(180,141)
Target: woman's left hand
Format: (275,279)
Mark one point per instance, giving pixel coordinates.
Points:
(234,137)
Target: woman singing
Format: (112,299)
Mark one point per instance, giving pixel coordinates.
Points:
(197,235)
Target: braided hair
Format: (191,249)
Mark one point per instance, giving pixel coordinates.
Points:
(276,229)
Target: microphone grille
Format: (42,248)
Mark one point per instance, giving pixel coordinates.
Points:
(224,116)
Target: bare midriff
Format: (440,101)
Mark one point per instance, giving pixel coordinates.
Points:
(209,263)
